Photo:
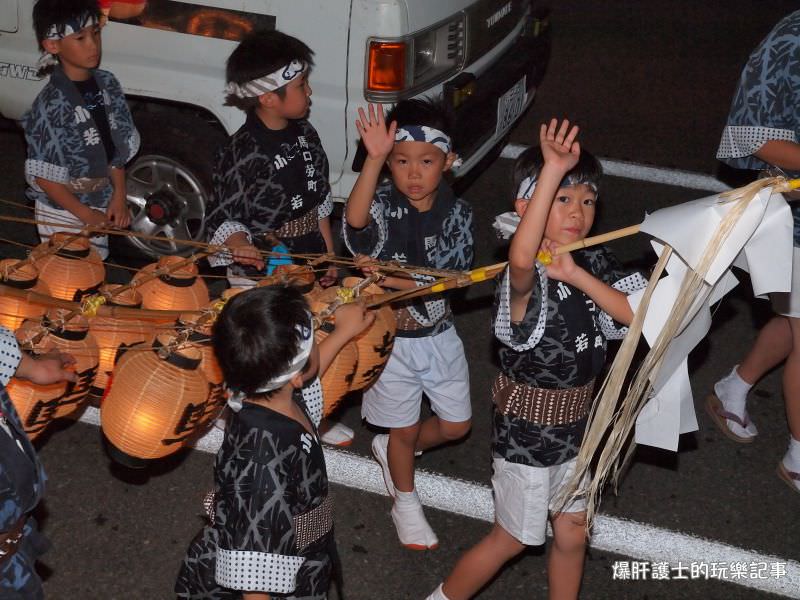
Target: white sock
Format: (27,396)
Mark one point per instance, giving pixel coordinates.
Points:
(438,594)
(410,522)
(732,392)
(791,459)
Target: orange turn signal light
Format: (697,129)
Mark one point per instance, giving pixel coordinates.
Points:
(386,69)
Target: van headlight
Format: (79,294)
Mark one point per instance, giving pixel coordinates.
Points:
(398,68)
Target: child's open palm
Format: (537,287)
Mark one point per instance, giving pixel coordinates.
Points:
(377,139)
(558,144)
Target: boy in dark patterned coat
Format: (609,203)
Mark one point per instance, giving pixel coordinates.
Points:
(413,218)
(79,131)
(553,322)
(272,175)
(271,521)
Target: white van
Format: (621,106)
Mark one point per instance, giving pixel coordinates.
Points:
(485,56)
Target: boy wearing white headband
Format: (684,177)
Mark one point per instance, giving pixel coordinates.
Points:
(79,131)
(552,321)
(271,177)
(416,219)
(271,527)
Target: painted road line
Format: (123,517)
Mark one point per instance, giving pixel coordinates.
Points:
(612,534)
(631,170)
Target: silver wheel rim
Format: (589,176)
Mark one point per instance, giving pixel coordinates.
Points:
(166,200)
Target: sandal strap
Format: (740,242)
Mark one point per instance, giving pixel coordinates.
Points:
(744,420)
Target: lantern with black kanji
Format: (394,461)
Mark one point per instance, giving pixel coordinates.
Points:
(200,338)
(39,405)
(156,401)
(70,269)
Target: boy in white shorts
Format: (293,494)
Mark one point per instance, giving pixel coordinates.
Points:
(412,218)
(553,321)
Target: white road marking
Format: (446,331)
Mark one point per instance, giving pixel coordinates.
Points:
(621,536)
(629,170)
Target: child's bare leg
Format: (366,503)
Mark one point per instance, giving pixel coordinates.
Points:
(480,563)
(773,344)
(565,563)
(402,442)
(435,432)
(791,380)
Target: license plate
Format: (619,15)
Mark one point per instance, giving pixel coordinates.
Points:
(510,105)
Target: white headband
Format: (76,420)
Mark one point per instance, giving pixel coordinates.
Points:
(62,30)
(305,335)
(423,133)
(526,188)
(267,83)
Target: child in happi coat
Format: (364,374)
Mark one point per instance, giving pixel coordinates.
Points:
(413,218)
(271,178)
(553,322)
(271,529)
(22,477)
(79,131)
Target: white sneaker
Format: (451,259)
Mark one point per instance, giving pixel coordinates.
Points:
(338,434)
(411,524)
(380,447)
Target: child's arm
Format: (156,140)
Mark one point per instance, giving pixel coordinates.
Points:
(58,193)
(255,596)
(561,153)
(378,141)
(610,300)
(117,211)
(351,319)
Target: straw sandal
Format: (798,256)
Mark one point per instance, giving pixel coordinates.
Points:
(719,415)
(791,478)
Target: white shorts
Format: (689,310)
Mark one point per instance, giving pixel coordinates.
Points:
(45,212)
(435,365)
(524,497)
(788,303)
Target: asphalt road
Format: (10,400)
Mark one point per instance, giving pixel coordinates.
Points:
(648,83)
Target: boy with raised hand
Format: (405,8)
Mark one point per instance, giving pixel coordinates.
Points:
(414,218)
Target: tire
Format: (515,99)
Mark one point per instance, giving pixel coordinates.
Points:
(169,182)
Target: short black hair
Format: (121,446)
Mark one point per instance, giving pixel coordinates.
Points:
(588,171)
(47,13)
(254,337)
(260,53)
(429,112)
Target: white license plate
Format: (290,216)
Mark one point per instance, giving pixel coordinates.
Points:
(510,105)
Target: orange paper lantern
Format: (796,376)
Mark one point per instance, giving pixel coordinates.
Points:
(112,333)
(39,405)
(181,289)
(200,338)
(338,379)
(154,404)
(13,311)
(76,270)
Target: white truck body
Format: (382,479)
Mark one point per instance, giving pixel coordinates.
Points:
(172,56)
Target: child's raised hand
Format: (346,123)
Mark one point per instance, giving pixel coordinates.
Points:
(558,144)
(353,318)
(377,139)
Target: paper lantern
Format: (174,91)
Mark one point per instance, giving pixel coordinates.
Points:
(76,270)
(181,289)
(200,338)
(123,9)
(338,379)
(111,333)
(39,405)
(299,276)
(13,311)
(374,344)
(154,404)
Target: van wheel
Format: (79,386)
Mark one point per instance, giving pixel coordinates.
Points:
(169,183)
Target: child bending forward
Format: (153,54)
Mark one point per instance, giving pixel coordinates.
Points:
(271,530)
(553,322)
